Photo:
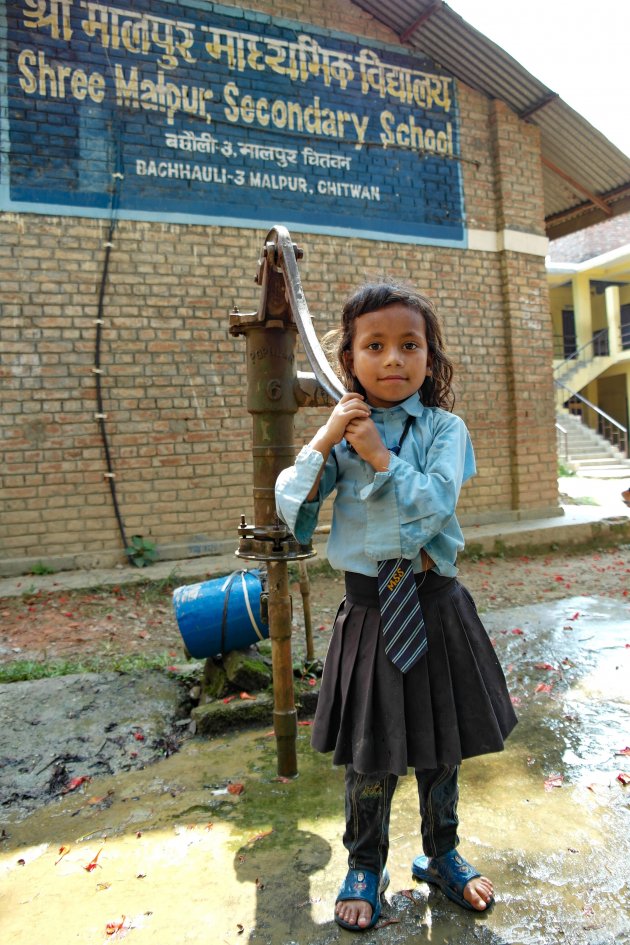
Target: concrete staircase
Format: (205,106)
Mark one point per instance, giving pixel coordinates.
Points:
(588,453)
(576,374)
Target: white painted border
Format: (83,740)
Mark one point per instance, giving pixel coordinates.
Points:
(491,241)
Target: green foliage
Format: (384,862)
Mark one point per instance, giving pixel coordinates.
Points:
(40,568)
(565,470)
(141,551)
(21,670)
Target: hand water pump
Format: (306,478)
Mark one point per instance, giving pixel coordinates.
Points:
(275,392)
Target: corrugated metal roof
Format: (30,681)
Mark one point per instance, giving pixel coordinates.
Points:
(586,178)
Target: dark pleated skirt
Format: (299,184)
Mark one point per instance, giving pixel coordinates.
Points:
(452,704)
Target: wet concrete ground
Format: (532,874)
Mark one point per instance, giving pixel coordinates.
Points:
(170,854)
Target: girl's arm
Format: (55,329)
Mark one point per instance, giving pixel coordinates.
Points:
(301,488)
(350,407)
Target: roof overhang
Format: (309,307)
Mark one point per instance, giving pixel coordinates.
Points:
(586,178)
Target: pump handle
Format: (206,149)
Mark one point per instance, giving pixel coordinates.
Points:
(279,244)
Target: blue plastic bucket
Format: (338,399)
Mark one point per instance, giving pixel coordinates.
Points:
(220,615)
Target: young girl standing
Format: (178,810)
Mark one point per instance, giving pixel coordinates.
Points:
(411,678)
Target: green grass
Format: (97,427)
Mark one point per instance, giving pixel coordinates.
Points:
(24,670)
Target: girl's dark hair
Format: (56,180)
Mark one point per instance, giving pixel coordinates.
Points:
(436,390)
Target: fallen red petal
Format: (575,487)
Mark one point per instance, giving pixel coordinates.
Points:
(112,927)
(543,687)
(260,836)
(228,699)
(553,782)
(93,864)
(246,695)
(236,788)
(75,783)
(623,778)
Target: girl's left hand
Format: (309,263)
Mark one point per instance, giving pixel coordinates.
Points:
(364,438)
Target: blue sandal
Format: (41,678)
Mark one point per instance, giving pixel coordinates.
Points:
(362,884)
(451,873)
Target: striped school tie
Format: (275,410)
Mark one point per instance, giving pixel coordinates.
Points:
(402,623)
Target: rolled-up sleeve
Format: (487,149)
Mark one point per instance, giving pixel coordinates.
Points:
(293,486)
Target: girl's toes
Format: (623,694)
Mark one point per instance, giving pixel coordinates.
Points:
(478,892)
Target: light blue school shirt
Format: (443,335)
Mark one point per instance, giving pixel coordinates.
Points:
(392,514)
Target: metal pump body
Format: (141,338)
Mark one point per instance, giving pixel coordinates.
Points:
(275,392)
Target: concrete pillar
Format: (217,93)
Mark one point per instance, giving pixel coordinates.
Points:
(613,319)
(582,308)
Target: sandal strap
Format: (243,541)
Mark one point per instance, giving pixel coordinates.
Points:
(454,870)
(360,884)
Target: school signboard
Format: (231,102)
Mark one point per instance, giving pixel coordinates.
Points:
(198,112)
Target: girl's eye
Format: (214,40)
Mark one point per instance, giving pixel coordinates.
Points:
(375,346)
(410,346)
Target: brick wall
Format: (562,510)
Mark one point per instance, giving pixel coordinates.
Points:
(173,377)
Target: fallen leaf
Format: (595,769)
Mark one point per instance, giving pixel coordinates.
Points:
(547,666)
(139,737)
(235,788)
(543,687)
(101,887)
(282,779)
(553,782)
(517,631)
(227,699)
(623,751)
(408,894)
(385,922)
(240,928)
(623,778)
(258,884)
(63,851)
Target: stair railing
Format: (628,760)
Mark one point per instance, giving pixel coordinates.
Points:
(596,347)
(563,436)
(607,426)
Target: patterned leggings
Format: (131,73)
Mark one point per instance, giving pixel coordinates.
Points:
(368,809)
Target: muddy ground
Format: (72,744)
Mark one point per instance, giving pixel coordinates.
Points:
(113,622)
(61,732)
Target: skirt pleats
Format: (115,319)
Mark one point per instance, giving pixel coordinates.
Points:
(453,704)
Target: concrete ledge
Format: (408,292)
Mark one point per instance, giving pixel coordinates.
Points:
(579,527)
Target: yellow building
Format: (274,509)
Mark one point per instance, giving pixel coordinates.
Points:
(589,292)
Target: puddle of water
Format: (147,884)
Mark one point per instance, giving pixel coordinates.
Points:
(179,858)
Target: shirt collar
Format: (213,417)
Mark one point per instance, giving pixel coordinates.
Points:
(412,406)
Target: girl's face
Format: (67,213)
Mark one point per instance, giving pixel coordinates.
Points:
(389,354)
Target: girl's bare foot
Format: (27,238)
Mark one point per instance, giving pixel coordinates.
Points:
(355,912)
(479,892)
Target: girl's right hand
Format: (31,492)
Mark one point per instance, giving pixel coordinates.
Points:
(351,407)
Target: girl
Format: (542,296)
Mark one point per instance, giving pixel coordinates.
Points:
(397,458)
